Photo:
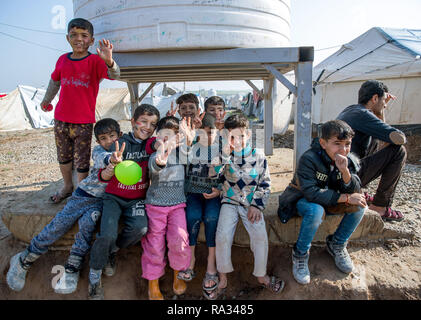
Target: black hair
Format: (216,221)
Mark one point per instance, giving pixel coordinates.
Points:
(106,125)
(336,129)
(238,120)
(188,97)
(214,100)
(369,89)
(147,109)
(208,121)
(169,122)
(81,24)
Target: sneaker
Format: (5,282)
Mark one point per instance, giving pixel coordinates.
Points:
(19,266)
(67,283)
(340,254)
(300,267)
(95,291)
(109,269)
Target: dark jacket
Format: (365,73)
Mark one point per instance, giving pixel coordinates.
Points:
(366,126)
(138,151)
(318,180)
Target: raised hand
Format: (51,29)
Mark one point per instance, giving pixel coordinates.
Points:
(117,155)
(172,111)
(219,122)
(197,121)
(187,130)
(341,162)
(105,52)
(164,150)
(215,193)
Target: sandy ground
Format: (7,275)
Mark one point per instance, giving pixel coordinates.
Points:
(389,270)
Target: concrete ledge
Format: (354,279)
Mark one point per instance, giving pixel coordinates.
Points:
(26,219)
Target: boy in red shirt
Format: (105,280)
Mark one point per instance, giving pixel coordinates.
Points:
(78,73)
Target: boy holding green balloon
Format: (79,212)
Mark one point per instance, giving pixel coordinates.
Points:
(122,200)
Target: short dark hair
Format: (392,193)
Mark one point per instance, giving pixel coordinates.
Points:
(169,122)
(147,109)
(369,89)
(214,100)
(208,121)
(81,24)
(336,129)
(188,97)
(106,125)
(238,120)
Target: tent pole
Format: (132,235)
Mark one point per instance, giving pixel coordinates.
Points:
(134,95)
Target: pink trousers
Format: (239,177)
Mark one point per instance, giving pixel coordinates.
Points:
(169,222)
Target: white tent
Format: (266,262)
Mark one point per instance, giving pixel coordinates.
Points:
(388,55)
(20,110)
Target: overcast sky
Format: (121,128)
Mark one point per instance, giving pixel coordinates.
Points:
(28,57)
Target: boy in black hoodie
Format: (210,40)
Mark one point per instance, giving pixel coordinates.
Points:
(123,201)
(326,176)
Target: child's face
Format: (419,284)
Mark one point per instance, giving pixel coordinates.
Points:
(334,146)
(216,110)
(187,109)
(238,138)
(106,140)
(207,136)
(144,126)
(80,40)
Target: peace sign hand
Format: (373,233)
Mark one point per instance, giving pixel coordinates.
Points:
(172,111)
(117,155)
(197,121)
(188,130)
(164,150)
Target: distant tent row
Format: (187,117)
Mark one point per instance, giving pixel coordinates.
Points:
(388,55)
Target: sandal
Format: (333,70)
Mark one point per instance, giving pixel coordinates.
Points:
(392,215)
(368,198)
(276,285)
(210,277)
(189,275)
(214,294)
(58,197)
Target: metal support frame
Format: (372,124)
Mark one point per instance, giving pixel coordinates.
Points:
(230,64)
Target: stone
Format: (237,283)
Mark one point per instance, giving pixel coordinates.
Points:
(27,218)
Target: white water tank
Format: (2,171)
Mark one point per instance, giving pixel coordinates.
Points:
(139,25)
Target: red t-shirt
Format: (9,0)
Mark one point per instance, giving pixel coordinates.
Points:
(79,81)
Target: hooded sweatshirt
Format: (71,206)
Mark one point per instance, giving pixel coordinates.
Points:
(138,151)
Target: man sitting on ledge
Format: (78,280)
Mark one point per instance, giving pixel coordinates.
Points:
(379,146)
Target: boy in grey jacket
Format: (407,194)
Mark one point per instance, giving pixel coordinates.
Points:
(84,206)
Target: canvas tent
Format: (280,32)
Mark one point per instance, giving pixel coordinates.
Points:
(388,55)
(20,109)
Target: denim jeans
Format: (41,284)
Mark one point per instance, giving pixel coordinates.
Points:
(133,215)
(85,210)
(199,209)
(312,214)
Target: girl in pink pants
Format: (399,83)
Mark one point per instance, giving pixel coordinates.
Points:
(165,202)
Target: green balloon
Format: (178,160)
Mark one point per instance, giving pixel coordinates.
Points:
(128,172)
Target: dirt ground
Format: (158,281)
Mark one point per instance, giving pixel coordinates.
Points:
(390,270)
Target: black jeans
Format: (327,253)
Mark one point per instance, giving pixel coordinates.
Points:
(387,163)
(135,227)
